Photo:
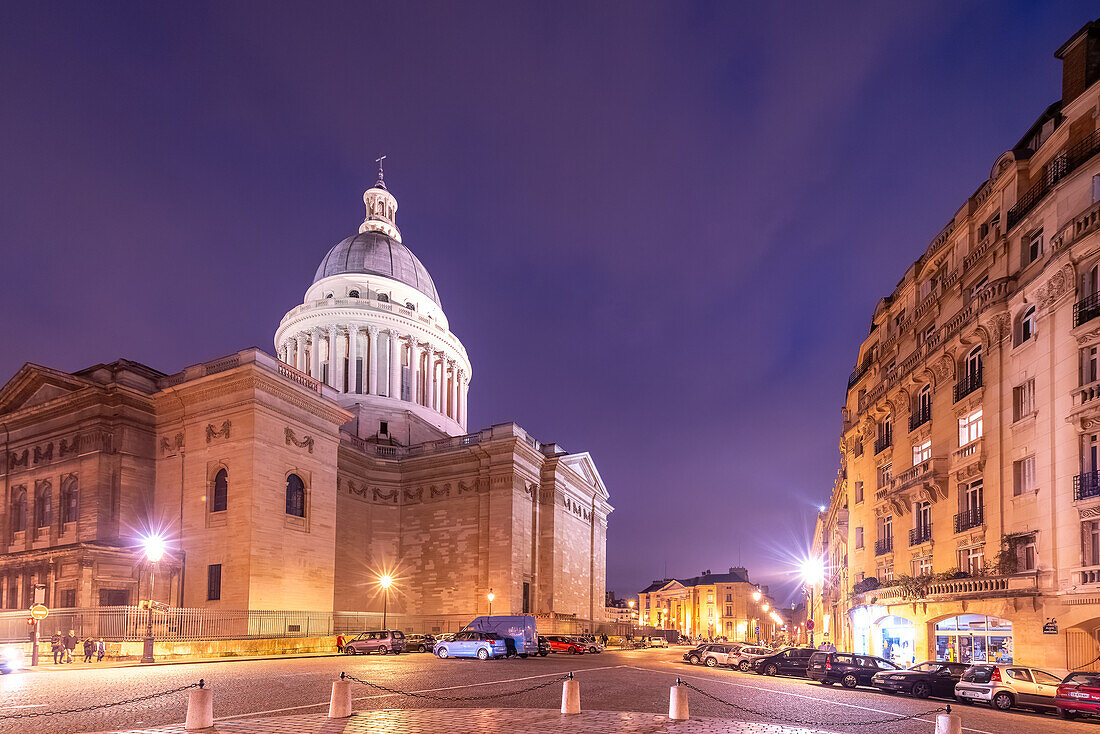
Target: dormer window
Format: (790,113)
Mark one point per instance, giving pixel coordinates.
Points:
(383,298)
(353,294)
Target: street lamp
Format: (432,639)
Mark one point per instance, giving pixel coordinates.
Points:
(385,581)
(756,595)
(490,596)
(813,573)
(153,545)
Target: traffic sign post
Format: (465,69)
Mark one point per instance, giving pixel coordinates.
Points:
(38,611)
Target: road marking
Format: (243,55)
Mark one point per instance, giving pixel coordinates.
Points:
(423,690)
(799,695)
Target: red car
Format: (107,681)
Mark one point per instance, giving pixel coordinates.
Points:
(1079,693)
(561,643)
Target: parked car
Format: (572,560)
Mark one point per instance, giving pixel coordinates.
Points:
(931,678)
(472,644)
(694,656)
(11,660)
(845,668)
(591,644)
(788,661)
(420,643)
(746,655)
(1005,686)
(658,642)
(519,632)
(561,643)
(1078,694)
(382,642)
(544,646)
(712,655)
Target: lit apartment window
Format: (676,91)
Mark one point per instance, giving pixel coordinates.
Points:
(922,566)
(859,492)
(888,573)
(970,427)
(972,559)
(922,452)
(1089,364)
(885,475)
(1023,400)
(1025,553)
(1023,476)
(859,537)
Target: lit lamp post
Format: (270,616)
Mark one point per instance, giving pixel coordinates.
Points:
(385,581)
(154,551)
(631,605)
(490,596)
(813,573)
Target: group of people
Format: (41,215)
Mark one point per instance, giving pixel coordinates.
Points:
(63,647)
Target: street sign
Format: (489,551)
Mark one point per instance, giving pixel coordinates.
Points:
(39,611)
(1051,627)
(159,606)
(809,624)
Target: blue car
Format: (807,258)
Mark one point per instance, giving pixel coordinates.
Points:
(472,644)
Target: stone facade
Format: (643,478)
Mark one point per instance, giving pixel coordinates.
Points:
(711,605)
(968,480)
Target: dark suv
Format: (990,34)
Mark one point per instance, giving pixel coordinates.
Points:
(845,668)
(788,661)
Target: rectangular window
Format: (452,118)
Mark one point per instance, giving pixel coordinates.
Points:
(970,427)
(526,597)
(922,452)
(1090,540)
(729,597)
(1032,248)
(859,492)
(972,559)
(214,582)
(1023,476)
(885,475)
(68,598)
(1025,554)
(888,573)
(1089,362)
(729,611)
(859,537)
(922,566)
(1023,400)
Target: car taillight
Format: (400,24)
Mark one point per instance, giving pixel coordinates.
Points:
(1062,691)
(996,677)
(828,665)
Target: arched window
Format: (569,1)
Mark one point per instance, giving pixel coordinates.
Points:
(973,366)
(295,496)
(409,305)
(43,506)
(353,294)
(1026,329)
(220,499)
(383,298)
(70,501)
(19,511)
(328,295)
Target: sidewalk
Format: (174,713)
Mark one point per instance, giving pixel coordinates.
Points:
(48,666)
(487,721)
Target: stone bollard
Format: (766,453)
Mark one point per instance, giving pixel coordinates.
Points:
(200,708)
(339,706)
(570,696)
(948,723)
(678,702)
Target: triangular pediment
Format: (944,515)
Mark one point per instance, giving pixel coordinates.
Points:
(672,585)
(583,465)
(34,385)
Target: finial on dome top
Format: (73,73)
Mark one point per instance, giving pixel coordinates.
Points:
(381,182)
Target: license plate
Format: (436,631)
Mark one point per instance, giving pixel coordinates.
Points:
(970,694)
(1078,694)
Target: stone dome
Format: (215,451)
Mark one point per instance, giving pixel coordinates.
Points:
(375,253)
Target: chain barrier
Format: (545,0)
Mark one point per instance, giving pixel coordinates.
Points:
(478,697)
(83,709)
(894,718)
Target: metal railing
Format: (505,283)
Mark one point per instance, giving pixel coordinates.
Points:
(1086,309)
(969,519)
(969,382)
(884,546)
(1058,168)
(920,534)
(921,415)
(1086,484)
(883,443)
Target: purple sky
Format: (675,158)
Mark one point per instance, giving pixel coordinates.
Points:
(659,230)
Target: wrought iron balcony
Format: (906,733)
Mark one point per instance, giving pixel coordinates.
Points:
(883,442)
(920,415)
(920,534)
(969,382)
(858,372)
(884,546)
(1086,485)
(969,519)
(1058,168)
(1086,309)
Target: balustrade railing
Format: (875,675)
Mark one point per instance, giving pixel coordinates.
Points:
(1086,485)
(1086,309)
(1058,168)
(968,383)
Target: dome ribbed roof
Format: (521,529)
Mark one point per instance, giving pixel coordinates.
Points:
(375,253)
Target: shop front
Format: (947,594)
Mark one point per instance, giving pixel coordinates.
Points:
(876,632)
(977,638)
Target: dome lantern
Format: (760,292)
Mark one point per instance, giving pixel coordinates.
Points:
(381,208)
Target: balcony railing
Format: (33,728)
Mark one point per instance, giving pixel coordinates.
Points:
(1058,168)
(969,519)
(970,382)
(859,372)
(882,443)
(1086,309)
(1086,575)
(921,415)
(920,534)
(1086,484)
(884,546)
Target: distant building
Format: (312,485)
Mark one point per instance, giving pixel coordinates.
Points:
(710,605)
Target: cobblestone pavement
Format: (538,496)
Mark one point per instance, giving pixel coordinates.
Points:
(487,721)
(613,681)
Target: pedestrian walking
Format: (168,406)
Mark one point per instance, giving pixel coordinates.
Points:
(55,647)
(100,650)
(70,644)
(89,649)
(339,643)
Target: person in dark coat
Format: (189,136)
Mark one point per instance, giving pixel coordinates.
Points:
(70,644)
(55,646)
(89,649)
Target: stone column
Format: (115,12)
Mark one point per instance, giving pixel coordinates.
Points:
(429,382)
(331,356)
(4,591)
(353,353)
(394,390)
(315,354)
(300,352)
(414,370)
(341,354)
(452,407)
(372,360)
(460,404)
(464,389)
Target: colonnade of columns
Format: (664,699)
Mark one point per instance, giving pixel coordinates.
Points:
(434,380)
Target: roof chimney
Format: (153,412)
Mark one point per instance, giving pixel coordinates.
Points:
(1080,57)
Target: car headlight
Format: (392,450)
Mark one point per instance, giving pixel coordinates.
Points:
(13,656)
